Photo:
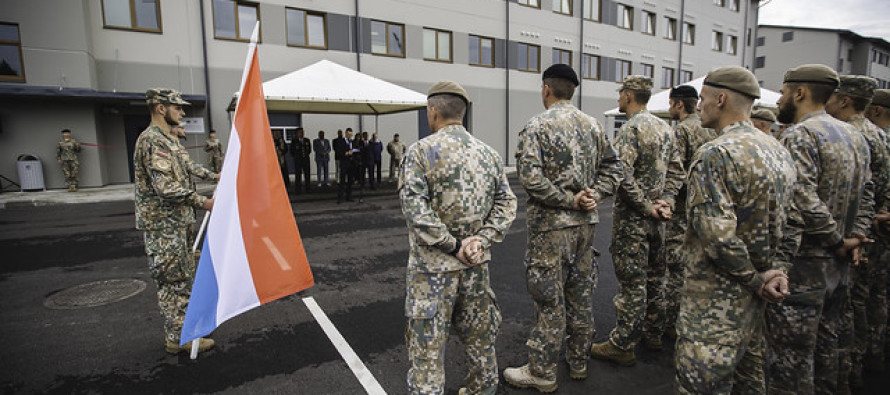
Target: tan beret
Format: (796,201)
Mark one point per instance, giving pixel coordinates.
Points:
(881,98)
(812,74)
(448,88)
(734,78)
(636,83)
(763,115)
(858,86)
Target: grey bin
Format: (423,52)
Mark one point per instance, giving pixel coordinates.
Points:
(30,173)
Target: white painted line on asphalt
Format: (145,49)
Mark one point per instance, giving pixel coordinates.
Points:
(361,372)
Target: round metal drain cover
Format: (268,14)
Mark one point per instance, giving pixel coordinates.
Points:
(93,294)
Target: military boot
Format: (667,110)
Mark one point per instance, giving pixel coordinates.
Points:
(578,372)
(652,343)
(488,391)
(522,377)
(203,345)
(608,351)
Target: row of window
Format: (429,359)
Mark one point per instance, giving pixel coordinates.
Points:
(717,42)
(880,57)
(591,8)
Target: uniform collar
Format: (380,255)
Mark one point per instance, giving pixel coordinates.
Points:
(813,114)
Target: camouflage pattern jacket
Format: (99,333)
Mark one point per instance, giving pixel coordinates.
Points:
(689,135)
(452,186)
(879,146)
(739,185)
(163,197)
(67,149)
(193,168)
(645,145)
(560,152)
(213,148)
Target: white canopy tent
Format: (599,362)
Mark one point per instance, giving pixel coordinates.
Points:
(659,103)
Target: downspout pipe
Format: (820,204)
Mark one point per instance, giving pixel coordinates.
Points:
(682,38)
(358,56)
(507,83)
(206,66)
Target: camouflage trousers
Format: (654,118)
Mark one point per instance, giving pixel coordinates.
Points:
(854,328)
(560,274)
(172,267)
(435,302)
(673,260)
(215,163)
(803,332)
(636,242)
(877,305)
(70,168)
(713,368)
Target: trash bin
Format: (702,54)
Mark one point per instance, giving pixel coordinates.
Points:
(30,173)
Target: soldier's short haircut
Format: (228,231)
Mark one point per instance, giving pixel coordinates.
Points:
(449,106)
(562,88)
(859,103)
(689,104)
(641,97)
(819,93)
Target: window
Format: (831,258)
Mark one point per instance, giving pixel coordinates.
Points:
(667,77)
(590,67)
(142,15)
(11,67)
(761,41)
(529,3)
(688,33)
(717,41)
(787,36)
(481,51)
(234,20)
(670,28)
(529,57)
(436,45)
(850,54)
(760,62)
(649,23)
(591,10)
(562,7)
(625,17)
(622,69)
(734,5)
(562,56)
(732,45)
(685,76)
(720,3)
(880,57)
(388,39)
(306,28)
(648,70)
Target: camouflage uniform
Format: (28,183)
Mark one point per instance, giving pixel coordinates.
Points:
(689,135)
(66,151)
(194,169)
(561,152)
(396,150)
(164,211)
(645,145)
(213,147)
(833,199)
(452,186)
(738,187)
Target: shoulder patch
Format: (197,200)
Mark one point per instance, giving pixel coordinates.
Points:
(161,163)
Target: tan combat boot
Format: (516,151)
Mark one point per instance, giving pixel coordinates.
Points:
(174,348)
(522,377)
(578,372)
(607,351)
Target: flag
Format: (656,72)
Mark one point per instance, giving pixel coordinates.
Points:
(252,251)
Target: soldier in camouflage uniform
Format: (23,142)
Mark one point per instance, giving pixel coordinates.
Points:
(194,169)
(645,145)
(165,210)
(878,112)
(739,186)
(763,119)
(566,164)
(848,104)
(689,135)
(832,211)
(457,202)
(66,155)
(213,147)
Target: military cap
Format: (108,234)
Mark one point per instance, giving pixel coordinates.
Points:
(683,92)
(763,115)
(448,88)
(882,98)
(636,83)
(164,96)
(812,74)
(858,86)
(563,71)
(735,78)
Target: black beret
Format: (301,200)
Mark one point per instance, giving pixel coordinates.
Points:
(683,92)
(563,71)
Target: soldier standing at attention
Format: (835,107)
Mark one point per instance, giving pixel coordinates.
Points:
(763,120)
(739,186)
(833,203)
(164,212)
(396,150)
(213,147)
(457,202)
(300,148)
(567,165)
(878,112)
(645,145)
(66,154)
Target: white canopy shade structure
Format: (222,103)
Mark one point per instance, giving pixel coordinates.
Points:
(326,87)
(659,103)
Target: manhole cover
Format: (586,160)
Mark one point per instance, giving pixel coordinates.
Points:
(93,294)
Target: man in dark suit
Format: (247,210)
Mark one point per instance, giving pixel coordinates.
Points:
(375,149)
(360,161)
(300,148)
(343,153)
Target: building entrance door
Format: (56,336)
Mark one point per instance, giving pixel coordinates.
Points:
(133,126)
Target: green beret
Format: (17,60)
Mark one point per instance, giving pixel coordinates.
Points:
(858,86)
(763,115)
(636,83)
(560,70)
(735,78)
(164,96)
(448,88)
(812,74)
(882,98)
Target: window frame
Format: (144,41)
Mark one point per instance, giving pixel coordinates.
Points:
(132,26)
(682,73)
(306,13)
(18,44)
(735,5)
(386,39)
(471,36)
(599,11)
(599,69)
(688,38)
(630,69)
(620,15)
(760,62)
(788,36)
(571,11)
(238,37)
(537,68)
(732,44)
(450,44)
(650,68)
(649,16)
(562,52)
(719,3)
(716,41)
(665,84)
(526,4)
(670,26)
